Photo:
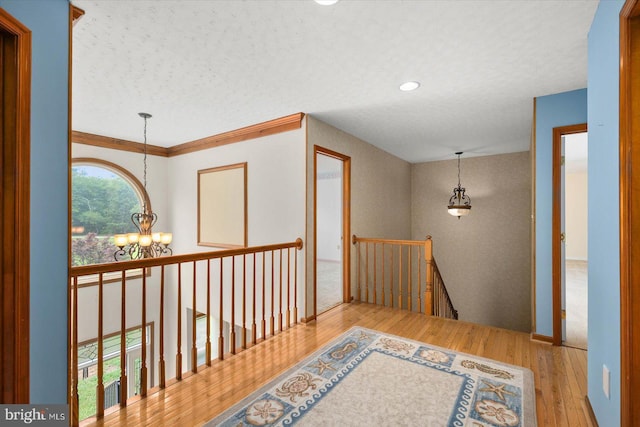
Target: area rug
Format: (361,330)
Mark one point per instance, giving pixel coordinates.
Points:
(369,378)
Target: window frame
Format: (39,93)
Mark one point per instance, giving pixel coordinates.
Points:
(143,197)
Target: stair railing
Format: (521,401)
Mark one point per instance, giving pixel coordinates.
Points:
(401,274)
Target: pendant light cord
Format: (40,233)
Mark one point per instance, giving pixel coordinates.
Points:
(145,156)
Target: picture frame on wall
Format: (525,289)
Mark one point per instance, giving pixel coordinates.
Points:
(222,206)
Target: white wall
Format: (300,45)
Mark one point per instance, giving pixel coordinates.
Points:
(575,215)
(276,189)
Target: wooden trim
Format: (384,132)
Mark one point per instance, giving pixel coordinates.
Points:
(532,153)
(314,261)
(117,144)
(76,14)
(346,229)
(346,223)
(591,416)
(73,415)
(271,127)
(543,338)
(556,266)
(124,173)
(629,214)
(15,90)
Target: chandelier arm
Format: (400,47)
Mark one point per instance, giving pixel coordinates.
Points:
(119,254)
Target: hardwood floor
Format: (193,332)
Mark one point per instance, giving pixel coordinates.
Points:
(560,372)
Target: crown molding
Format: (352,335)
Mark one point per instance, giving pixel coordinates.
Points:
(271,127)
(76,14)
(116,144)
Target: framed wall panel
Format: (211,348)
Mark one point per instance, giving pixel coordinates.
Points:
(222,206)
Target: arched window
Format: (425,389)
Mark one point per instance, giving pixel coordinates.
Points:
(103,198)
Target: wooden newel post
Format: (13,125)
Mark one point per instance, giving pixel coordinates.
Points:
(428,294)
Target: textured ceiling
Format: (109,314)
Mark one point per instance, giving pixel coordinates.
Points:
(207,67)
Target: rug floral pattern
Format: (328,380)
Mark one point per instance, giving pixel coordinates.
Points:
(462,390)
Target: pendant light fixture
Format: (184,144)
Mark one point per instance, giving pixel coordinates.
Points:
(145,243)
(459,203)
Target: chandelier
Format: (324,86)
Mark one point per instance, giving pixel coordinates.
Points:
(459,203)
(145,243)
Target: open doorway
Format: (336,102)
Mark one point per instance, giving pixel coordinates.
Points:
(569,235)
(331,224)
(575,290)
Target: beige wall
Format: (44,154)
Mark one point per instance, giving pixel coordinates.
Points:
(380,191)
(484,257)
(575,215)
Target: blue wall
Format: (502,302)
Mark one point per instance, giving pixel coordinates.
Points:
(604,234)
(48,21)
(562,109)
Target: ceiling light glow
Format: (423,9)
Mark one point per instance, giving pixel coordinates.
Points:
(408,86)
(326,2)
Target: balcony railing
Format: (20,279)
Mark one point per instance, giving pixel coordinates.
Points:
(242,296)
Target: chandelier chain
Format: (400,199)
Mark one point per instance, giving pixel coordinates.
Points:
(145,154)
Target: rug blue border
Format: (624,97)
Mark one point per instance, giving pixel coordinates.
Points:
(457,417)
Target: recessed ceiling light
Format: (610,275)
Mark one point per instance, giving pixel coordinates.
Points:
(407,86)
(326,2)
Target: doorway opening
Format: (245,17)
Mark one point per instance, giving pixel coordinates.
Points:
(331,228)
(575,289)
(569,236)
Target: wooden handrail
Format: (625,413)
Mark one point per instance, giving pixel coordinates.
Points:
(355,239)
(235,293)
(401,284)
(86,270)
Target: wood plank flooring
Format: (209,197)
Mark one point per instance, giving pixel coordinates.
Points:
(560,372)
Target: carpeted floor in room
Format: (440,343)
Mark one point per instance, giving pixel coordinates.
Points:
(576,303)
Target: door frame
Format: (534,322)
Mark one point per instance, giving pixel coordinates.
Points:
(346,223)
(14,231)
(556,221)
(629,214)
